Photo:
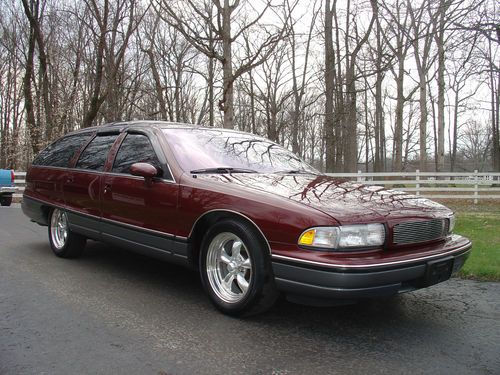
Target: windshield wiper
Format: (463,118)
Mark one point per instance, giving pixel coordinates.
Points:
(295,171)
(223,170)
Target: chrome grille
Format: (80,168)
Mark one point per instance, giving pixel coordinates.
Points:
(419,231)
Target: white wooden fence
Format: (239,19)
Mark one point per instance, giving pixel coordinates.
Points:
(19,181)
(443,185)
(440,185)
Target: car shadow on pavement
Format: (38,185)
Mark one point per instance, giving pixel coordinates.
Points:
(185,283)
(167,284)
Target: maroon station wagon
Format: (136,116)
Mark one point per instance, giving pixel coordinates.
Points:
(250,215)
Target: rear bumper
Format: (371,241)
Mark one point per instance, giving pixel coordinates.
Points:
(8,190)
(34,209)
(298,279)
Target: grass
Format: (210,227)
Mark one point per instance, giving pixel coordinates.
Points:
(481,223)
(484,231)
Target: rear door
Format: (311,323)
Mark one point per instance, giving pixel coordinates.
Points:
(83,187)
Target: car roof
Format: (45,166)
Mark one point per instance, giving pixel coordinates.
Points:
(148,123)
(118,125)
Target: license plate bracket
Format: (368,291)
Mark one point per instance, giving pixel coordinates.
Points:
(438,271)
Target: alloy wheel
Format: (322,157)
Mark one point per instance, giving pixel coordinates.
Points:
(229,267)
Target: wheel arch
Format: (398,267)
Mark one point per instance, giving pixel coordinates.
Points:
(46,210)
(209,218)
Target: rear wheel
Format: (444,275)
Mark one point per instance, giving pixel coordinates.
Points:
(6,200)
(235,269)
(64,242)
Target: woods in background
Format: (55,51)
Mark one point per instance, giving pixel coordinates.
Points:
(347,85)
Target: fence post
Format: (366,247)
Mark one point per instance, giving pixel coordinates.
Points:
(476,184)
(417,178)
(359,176)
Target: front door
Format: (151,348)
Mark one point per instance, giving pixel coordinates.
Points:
(138,214)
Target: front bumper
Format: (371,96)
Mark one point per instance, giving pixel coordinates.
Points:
(312,280)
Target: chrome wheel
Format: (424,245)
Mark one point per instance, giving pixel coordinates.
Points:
(59,229)
(229,267)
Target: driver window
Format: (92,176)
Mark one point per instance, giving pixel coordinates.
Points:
(135,148)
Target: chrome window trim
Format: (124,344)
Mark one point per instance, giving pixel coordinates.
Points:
(127,175)
(465,249)
(104,173)
(49,166)
(93,171)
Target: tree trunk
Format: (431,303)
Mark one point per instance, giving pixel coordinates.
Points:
(398,126)
(227,101)
(34,130)
(379,111)
(441,87)
(351,124)
(455,134)
(32,13)
(158,85)
(423,122)
(211,119)
(253,127)
(329,89)
(97,99)
(495,109)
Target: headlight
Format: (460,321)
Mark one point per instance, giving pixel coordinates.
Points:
(451,223)
(344,237)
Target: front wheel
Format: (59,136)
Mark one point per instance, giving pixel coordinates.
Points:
(235,269)
(63,241)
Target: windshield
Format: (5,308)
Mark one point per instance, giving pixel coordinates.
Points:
(208,150)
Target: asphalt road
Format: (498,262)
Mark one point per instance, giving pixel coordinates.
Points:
(114,312)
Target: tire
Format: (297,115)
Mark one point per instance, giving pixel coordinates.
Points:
(6,200)
(235,269)
(64,242)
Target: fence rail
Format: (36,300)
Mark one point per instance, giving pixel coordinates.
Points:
(441,185)
(19,181)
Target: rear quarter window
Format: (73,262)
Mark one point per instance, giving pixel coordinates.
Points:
(60,152)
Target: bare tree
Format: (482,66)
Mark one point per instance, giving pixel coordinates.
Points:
(423,26)
(487,26)
(475,144)
(299,82)
(460,71)
(111,25)
(397,39)
(340,83)
(274,93)
(212,34)
(11,96)
(64,65)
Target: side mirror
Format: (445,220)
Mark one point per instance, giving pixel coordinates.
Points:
(145,170)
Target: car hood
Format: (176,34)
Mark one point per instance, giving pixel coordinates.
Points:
(345,201)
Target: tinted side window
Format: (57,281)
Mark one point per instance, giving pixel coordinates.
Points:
(59,153)
(95,154)
(135,148)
